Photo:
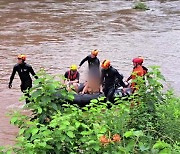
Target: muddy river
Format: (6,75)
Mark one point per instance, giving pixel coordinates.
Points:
(57,33)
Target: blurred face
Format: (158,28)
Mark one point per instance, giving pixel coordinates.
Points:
(93,56)
(134,64)
(20,61)
(105,68)
(73,71)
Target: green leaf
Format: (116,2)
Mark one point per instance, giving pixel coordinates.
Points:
(142,147)
(165,151)
(161,145)
(77,124)
(49,147)
(42,144)
(130,145)
(70,134)
(128,134)
(86,132)
(94,101)
(46,99)
(96,147)
(103,130)
(36,93)
(34,131)
(138,133)
(13,120)
(39,110)
(70,97)
(54,106)
(67,123)
(21,131)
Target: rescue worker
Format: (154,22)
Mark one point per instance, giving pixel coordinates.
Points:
(93,63)
(138,70)
(72,77)
(24,71)
(109,78)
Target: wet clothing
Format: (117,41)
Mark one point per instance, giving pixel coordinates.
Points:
(75,76)
(110,78)
(24,71)
(93,64)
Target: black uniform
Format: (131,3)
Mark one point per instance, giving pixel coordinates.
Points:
(109,79)
(93,64)
(24,71)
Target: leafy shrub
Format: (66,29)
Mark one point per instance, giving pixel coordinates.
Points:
(145,122)
(140,6)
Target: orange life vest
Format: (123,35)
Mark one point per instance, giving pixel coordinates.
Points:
(72,77)
(137,71)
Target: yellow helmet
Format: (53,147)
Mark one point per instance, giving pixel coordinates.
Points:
(73,67)
(94,52)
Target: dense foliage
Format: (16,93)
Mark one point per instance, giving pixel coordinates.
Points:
(146,122)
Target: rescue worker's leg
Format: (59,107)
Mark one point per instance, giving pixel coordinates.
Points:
(110,94)
(25,89)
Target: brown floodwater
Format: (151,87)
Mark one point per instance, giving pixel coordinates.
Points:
(57,33)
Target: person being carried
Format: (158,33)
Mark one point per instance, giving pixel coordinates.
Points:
(138,70)
(92,85)
(72,77)
(109,78)
(24,71)
(93,63)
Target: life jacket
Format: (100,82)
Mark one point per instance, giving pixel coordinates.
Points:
(72,77)
(137,71)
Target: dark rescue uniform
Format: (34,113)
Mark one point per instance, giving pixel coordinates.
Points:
(24,71)
(93,64)
(109,79)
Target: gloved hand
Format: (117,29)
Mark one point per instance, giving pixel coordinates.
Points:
(10,85)
(126,84)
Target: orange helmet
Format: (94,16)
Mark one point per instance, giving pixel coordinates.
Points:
(23,57)
(105,64)
(94,52)
(138,60)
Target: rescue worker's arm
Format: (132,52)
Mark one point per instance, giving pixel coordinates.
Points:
(102,77)
(101,89)
(120,77)
(129,78)
(85,89)
(66,77)
(82,62)
(12,77)
(98,63)
(33,73)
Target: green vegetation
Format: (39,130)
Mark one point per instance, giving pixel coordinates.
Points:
(146,122)
(140,6)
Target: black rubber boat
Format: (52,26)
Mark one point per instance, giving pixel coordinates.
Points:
(83,99)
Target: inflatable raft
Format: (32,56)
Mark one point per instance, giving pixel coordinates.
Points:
(83,99)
